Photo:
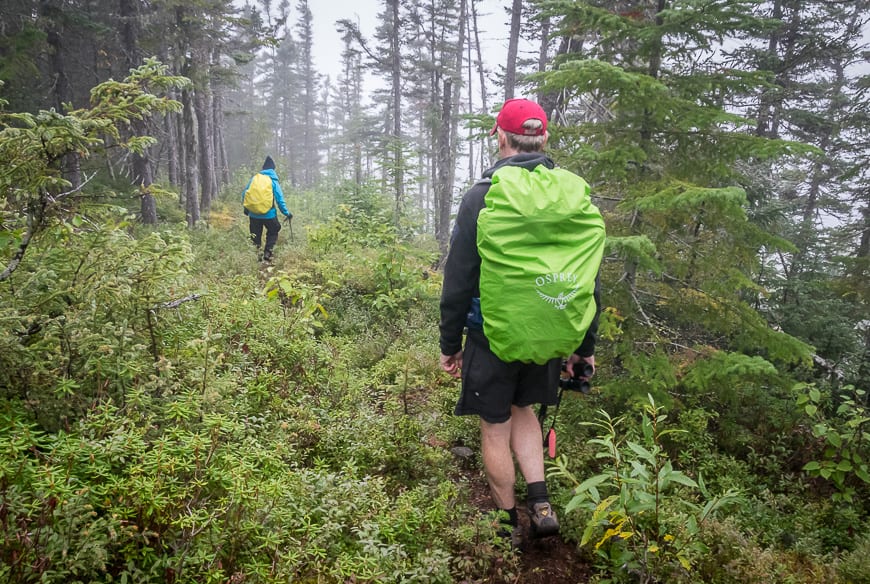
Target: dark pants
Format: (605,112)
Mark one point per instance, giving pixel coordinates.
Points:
(273,226)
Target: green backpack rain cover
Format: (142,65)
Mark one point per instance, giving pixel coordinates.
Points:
(541,241)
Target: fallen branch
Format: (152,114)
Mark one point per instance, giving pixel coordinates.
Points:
(176,303)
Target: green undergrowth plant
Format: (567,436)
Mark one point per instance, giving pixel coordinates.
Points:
(643,517)
(735,556)
(204,501)
(251,438)
(83,315)
(841,423)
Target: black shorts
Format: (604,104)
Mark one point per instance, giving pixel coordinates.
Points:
(491,386)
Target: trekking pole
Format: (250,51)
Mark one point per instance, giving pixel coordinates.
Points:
(573,384)
(550,436)
(289,221)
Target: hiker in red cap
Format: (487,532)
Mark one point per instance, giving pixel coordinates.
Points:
(503,393)
(521,117)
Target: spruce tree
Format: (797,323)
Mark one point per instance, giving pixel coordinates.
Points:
(656,137)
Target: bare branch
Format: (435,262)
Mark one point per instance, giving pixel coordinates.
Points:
(34,223)
(73,191)
(177,303)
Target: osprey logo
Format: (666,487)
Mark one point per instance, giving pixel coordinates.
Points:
(560,301)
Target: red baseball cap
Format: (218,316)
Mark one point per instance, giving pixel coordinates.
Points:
(515,112)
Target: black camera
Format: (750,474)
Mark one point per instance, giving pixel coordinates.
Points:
(582,369)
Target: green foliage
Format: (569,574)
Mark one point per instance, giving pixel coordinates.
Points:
(639,515)
(855,566)
(120,498)
(369,265)
(34,193)
(844,432)
(724,371)
(300,304)
(635,248)
(736,557)
(350,227)
(83,317)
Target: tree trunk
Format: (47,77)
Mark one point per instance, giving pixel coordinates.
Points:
(191,186)
(222,169)
(443,186)
(448,136)
(202,107)
(469,94)
(543,53)
(142,174)
(51,13)
(396,77)
(310,154)
(510,76)
(766,105)
(172,155)
(485,159)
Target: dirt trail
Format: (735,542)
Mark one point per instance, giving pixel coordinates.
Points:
(544,561)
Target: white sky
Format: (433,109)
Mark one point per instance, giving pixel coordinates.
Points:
(493,22)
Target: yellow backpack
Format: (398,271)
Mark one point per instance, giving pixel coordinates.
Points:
(259,198)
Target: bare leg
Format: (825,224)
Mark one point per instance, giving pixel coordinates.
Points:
(495,445)
(527,443)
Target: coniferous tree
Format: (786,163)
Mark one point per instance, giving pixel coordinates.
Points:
(142,174)
(348,114)
(57,36)
(22,44)
(395,62)
(281,89)
(510,77)
(812,98)
(389,62)
(308,87)
(662,152)
(479,65)
(447,142)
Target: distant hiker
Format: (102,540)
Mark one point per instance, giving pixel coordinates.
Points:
(521,319)
(259,199)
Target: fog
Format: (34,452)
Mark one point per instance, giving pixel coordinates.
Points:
(493,21)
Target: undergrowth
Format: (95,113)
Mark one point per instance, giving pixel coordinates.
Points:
(171,411)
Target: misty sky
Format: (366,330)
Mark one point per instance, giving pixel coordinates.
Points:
(492,20)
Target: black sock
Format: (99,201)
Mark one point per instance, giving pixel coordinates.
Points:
(512,517)
(537,493)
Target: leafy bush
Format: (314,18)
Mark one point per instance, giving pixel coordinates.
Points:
(855,566)
(639,517)
(845,455)
(85,308)
(734,557)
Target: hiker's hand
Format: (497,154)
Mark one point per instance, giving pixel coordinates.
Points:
(574,359)
(452,364)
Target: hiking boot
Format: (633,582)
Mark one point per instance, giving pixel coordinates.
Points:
(543,520)
(510,535)
(267,256)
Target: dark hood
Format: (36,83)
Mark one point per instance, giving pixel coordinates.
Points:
(527,160)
